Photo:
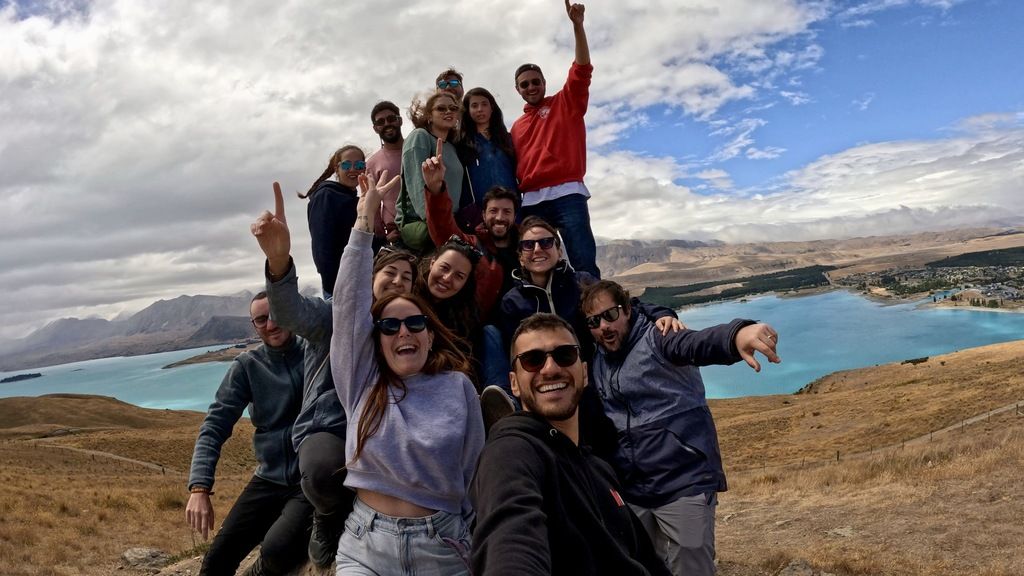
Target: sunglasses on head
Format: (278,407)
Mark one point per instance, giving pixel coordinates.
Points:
(531,82)
(453,83)
(544,243)
(533,360)
(458,241)
(391,326)
(392,249)
(385,120)
(610,315)
(349,165)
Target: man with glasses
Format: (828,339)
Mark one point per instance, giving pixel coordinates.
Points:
(668,458)
(544,503)
(387,123)
(550,140)
(271,511)
(450,81)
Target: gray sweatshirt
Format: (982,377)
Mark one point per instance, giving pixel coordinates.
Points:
(427,446)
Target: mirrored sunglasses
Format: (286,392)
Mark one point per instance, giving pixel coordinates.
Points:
(391,326)
(349,165)
(453,83)
(610,315)
(533,360)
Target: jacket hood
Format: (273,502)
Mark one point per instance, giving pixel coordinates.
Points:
(332,186)
(525,424)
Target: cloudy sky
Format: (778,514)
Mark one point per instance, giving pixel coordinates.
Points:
(139,139)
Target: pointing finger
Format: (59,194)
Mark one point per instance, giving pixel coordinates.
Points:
(440,146)
(278,203)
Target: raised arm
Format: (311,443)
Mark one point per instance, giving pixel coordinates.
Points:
(307,317)
(575,12)
(440,218)
(353,364)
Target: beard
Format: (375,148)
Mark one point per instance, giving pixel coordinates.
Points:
(553,413)
(390,135)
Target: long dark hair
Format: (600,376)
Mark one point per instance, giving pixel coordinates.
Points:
(445,355)
(499,133)
(332,167)
(459,312)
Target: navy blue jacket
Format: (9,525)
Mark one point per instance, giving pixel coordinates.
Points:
(652,391)
(331,214)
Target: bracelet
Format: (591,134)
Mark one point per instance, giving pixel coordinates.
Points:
(200,490)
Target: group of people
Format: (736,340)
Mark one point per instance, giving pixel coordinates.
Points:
(464,399)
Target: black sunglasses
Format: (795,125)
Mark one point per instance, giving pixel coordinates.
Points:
(459,241)
(544,243)
(391,326)
(527,83)
(385,120)
(610,315)
(533,360)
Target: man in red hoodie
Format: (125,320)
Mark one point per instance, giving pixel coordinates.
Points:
(550,139)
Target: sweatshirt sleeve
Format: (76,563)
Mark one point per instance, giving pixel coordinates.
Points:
(714,345)
(577,87)
(473,444)
(331,217)
(233,395)
(306,317)
(511,535)
(419,146)
(353,363)
(441,220)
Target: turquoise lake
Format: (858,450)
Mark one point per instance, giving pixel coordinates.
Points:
(818,334)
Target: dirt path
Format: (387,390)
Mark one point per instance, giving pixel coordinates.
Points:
(48,442)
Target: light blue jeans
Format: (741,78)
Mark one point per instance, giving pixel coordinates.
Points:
(380,545)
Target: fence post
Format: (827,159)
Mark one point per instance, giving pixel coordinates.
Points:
(837,455)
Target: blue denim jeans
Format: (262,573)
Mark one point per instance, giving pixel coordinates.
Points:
(569,214)
(381,545)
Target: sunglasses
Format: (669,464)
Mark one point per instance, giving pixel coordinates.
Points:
(453,83)
(349,165)
(610,315)
(531,82)
(386,120)
(533,360)
(458,241)
(261,321)
(393,249)
(544,243)
(391,326)
(449,108)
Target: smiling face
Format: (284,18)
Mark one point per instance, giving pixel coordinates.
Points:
(457,91)
(388,125)
(480,111)
(449,272)
(499,214)
(267,329)
(530,85)
(393,278)
(554,391)
(539,261)
(444,115)
(350,177)
(405,352)
(608,335)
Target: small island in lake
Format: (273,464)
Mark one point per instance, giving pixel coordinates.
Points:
(20,377)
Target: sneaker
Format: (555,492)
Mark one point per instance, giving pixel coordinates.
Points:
(323,542)
(495,405)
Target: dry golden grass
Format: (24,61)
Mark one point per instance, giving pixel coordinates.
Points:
(67,513)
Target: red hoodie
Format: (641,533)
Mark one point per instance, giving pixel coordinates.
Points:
(551,139)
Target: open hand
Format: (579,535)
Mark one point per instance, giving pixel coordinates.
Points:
(199,512)
(433,169)
(757,337)
(668,324)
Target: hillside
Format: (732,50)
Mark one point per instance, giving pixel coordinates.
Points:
(903,499)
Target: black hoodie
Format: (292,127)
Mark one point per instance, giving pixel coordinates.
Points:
(545,506)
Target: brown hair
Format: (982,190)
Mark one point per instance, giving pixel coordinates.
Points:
(447,73)
(538,222)
(443,356)
(459,312)
(332,167)
(385,257)
(419,113)
(618,294)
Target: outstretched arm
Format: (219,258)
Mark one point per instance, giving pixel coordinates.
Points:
(575,12)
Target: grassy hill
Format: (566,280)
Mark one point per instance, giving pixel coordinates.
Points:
(900,500)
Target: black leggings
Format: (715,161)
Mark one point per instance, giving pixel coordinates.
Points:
(276,517)
(322,464)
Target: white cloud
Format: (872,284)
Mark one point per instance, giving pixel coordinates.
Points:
(864,102)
